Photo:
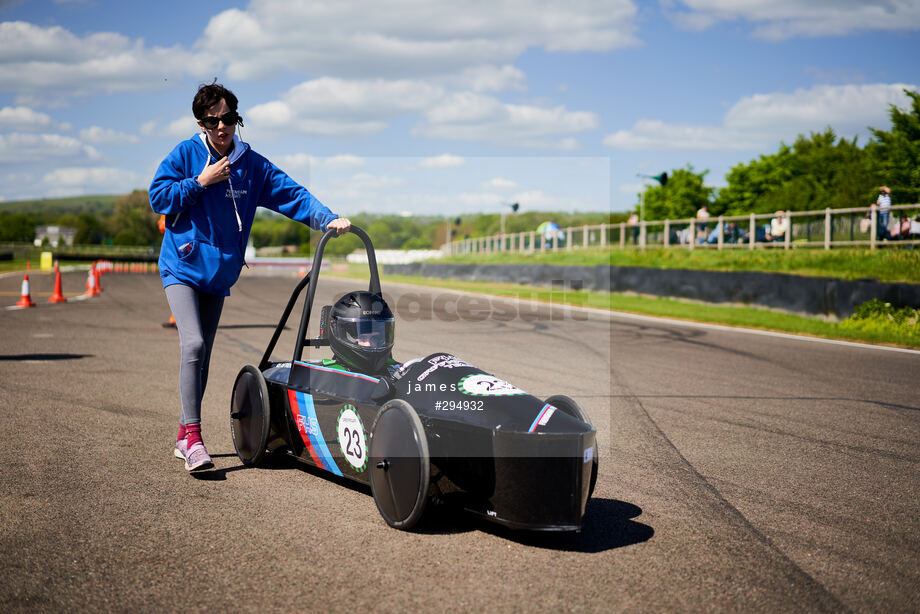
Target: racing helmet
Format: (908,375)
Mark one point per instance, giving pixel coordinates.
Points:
(361,331)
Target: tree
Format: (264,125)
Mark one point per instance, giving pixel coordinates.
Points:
(749,183)
(134,222)
(817,171)
(90,230)
(894,155)
(681,197)
(17,228)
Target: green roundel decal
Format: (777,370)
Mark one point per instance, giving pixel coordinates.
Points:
(352,439)
(485,385)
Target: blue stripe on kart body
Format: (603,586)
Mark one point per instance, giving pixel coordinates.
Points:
(317,441)
(339,372)
(533,427)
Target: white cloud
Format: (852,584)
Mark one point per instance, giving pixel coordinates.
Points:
(762,120)
(499,183)
(631,188)
(649,134)
(18,147)
(491,79)
(24,118)
(42,63)
(529,200)
(473,117)
(332,97)
(538,199)
(95,180)
(370,181)
(480,200)
(181,127)
(442,161)
(782,19)
(300,162)
(107,136)
(362,192)
(331,106)
(407,38)
(847,108)
(343,161)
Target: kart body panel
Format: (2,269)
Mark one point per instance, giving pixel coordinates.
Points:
(502,453)
(505,454)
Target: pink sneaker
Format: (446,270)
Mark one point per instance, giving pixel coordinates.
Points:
(179,450)
(196,458)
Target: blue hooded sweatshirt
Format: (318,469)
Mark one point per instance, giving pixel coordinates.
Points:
(207,228)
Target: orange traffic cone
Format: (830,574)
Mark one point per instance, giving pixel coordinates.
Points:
(26,298)
(57,296)
(98,275)
(171,323)
(92,285)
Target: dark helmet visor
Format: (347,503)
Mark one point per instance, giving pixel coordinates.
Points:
(367,334)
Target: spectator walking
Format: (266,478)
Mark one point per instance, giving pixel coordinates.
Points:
(208,187)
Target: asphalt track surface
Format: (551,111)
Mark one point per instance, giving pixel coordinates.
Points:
(738,472)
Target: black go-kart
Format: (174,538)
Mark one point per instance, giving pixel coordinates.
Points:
(431,430)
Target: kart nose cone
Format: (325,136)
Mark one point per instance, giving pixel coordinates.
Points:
(542,481)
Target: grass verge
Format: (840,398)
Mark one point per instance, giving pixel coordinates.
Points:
(877,326)
(891,265)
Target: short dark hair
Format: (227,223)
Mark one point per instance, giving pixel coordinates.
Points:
(210,94)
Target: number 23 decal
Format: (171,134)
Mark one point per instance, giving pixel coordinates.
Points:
(353,447)
(352,440)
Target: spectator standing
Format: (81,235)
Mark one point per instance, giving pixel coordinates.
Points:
(884,212)
(633,223)
(778,226)
(702,216)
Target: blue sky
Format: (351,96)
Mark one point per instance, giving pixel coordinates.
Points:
(423,106)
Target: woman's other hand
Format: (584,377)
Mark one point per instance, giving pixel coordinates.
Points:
(340,225)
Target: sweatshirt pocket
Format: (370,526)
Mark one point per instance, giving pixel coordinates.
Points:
(207,267)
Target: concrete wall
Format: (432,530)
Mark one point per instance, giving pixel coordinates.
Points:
(806,295)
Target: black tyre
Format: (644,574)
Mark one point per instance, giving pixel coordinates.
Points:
(400,467)
(250,415)
(572,408)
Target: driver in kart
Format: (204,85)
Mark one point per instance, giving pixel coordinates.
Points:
(361,333)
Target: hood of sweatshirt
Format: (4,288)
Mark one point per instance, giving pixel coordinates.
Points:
(239,147)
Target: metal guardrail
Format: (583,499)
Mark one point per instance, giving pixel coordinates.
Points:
(119,253)
(856,226)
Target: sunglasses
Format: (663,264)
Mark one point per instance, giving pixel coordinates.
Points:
(230,119)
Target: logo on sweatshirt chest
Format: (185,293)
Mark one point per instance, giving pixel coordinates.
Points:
(235,193)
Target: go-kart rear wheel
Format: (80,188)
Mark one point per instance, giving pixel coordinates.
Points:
(399,464)
(250,415)
(572,408)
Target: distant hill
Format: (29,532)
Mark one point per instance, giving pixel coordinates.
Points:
(96,204)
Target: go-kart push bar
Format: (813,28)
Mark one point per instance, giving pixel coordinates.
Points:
(311,278)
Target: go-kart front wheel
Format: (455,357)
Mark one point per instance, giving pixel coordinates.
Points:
(400,464)
(250,415)
(572,408)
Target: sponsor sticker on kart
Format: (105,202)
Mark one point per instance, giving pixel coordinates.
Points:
(352,440)
(484,385)
(442,361)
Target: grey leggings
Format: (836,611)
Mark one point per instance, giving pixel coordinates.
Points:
(197,315)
